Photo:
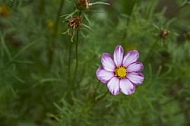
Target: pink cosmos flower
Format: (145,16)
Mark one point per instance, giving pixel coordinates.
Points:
(122,72)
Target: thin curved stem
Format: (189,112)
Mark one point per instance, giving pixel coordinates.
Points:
(76,53)
(151,49)
(69,63)
(54,36)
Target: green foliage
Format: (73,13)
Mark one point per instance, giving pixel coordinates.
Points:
(47,80)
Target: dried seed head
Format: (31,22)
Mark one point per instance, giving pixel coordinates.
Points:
(83,3)
(4,11)
(75,22)
(164,33)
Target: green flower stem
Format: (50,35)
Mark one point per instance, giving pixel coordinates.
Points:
(150,50)
(69,63)
(99,99)
(54,36)
(76,53)
(102,97)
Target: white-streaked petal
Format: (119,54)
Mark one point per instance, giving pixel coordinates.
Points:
(126,87)
(130,57)
(118,55)
(136,78)
(107,62)
(135,67)
(113,86)
(103,75)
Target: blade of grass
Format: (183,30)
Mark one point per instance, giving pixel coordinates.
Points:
(6,48)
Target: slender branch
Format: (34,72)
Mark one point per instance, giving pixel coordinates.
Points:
(76,52)
(69,63)
(54,37)
(151,49)
(58,17)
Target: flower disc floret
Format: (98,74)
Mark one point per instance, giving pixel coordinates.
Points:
(121,72)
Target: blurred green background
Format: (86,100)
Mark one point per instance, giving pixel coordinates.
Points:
(37,62)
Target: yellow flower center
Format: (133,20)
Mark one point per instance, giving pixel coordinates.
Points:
(121,72)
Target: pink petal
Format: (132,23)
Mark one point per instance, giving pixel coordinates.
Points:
(130,57)
(118,55)
(103,75)
(136,78)
(135,67)
(113,86)
(127,87)
(107,62)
